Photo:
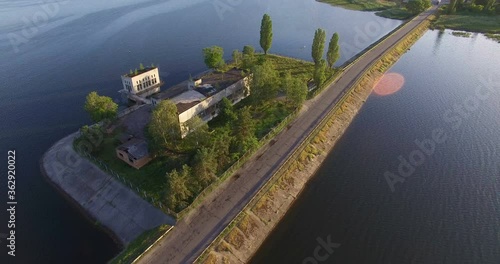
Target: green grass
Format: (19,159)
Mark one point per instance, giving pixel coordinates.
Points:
(139,245)
(395,13)
(298,68)
(150,178)
(361,5)
(469,22)
(495,37)
(461,34)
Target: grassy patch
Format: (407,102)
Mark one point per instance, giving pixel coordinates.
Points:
(139,245)
(298,68)
(361,5)
(150,178)
(461,34)
(395,13)
(469,22)
(495,37)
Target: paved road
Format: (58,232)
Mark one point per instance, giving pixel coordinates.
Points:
(196,231)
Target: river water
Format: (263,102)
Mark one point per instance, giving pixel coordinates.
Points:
(447,210)
(52,55)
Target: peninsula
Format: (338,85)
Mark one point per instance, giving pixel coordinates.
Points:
(247,121)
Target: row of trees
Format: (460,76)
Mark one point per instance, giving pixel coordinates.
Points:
(317,53)
(475,6)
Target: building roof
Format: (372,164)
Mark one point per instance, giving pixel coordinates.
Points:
(136,148)
(139,72)
(219,81)
(187,100)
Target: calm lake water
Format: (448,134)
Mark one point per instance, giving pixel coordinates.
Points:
(448,209)
(52,56)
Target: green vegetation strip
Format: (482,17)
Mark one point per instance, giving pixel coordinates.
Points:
(469,22)
(361,5)
(141,245)
(237,165)
(306,142)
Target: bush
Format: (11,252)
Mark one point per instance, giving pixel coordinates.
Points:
(476,8)
(418,6)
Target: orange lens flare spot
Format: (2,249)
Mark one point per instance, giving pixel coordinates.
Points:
(389,84)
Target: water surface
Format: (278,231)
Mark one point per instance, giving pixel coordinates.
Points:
(52,56)
(448,209)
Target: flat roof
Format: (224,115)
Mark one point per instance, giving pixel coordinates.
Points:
(139,72)
(187,100)
(217,80)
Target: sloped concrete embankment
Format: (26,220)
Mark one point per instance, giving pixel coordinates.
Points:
(102,199)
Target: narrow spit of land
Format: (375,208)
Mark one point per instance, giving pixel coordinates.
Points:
(201,226)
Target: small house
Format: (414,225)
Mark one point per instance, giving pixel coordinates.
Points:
(134,152)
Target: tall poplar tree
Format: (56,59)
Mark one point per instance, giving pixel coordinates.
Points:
(333,53)
(318,47)
(266,33)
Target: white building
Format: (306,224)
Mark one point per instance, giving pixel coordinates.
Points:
(141,84)
(202,97)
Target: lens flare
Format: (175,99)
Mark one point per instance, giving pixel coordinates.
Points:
(389,84)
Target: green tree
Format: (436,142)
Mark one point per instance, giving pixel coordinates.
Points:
(205,167)
(226,111)
(214,57)
(264,83)
(244,132)
(177,191)
(141,66)
(266,33)
(100,107)
(333,53)
(249,50)
(164,128)
(237,57)
(91,138)
(221,146)
(248,57)
(295,90)
(197,134)
(418,6)
(319,73)
(318,47)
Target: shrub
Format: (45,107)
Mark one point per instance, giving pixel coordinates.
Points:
(476,8)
